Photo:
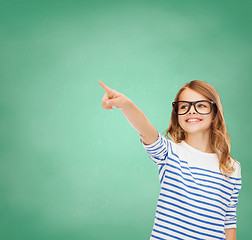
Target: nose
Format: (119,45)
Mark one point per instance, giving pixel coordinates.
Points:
(192,110)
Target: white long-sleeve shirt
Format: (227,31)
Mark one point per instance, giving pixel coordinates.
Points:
(196,201)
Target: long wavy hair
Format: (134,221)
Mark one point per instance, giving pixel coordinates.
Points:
(219,137)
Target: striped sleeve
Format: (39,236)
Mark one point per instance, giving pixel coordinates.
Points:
(230,218)
(158,150)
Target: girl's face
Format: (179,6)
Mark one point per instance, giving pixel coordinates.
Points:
(204,121)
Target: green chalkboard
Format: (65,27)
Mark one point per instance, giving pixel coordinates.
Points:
(71,170)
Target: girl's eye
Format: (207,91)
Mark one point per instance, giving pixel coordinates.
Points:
(201,105)
(182,107)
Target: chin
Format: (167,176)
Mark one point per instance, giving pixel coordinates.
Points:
(193,129)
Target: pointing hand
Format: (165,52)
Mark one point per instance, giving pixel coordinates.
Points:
(113,98)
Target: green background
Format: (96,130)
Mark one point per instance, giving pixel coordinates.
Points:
(70,169)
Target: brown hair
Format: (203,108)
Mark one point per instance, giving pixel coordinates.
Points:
(219,137)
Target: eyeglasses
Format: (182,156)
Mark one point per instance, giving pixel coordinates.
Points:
(201,107)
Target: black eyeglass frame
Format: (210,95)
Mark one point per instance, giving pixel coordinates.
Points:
(193,103)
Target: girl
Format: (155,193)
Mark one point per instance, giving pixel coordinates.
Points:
(200,181)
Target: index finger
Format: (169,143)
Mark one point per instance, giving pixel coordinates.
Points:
(106,88)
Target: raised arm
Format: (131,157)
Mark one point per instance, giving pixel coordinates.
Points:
(140,122)
(134,115)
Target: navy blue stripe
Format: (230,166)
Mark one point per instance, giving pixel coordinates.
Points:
(219,184)
(202,174)
(179,200)
(164,233)
(188,216)
(193,182)
(234,198)
(158,237)
(177,180)
(190,223)
(191,174)
(197,213)
(172,151)
(200,179)
(198,201)
(207,170)
(160,169)
(189,168)
(155,151)
(188,229)
(230,223)
(150,147)
(182,233)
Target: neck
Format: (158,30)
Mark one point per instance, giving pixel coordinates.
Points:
(200,141)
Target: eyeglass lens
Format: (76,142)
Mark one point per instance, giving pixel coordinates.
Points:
(201,107)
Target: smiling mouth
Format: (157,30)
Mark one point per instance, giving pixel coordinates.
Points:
(193,120)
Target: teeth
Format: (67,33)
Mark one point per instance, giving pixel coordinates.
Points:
(193,120)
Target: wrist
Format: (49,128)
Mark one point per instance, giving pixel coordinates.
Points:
(128,104)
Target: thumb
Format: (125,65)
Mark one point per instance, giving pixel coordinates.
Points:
(109,102)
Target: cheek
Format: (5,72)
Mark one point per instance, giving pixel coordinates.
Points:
(181,121)
(209,118)
(208,121)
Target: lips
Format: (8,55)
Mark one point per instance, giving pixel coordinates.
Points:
(199,119)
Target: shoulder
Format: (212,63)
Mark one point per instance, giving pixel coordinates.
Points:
(160,140)
(168,142)
(164,138)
